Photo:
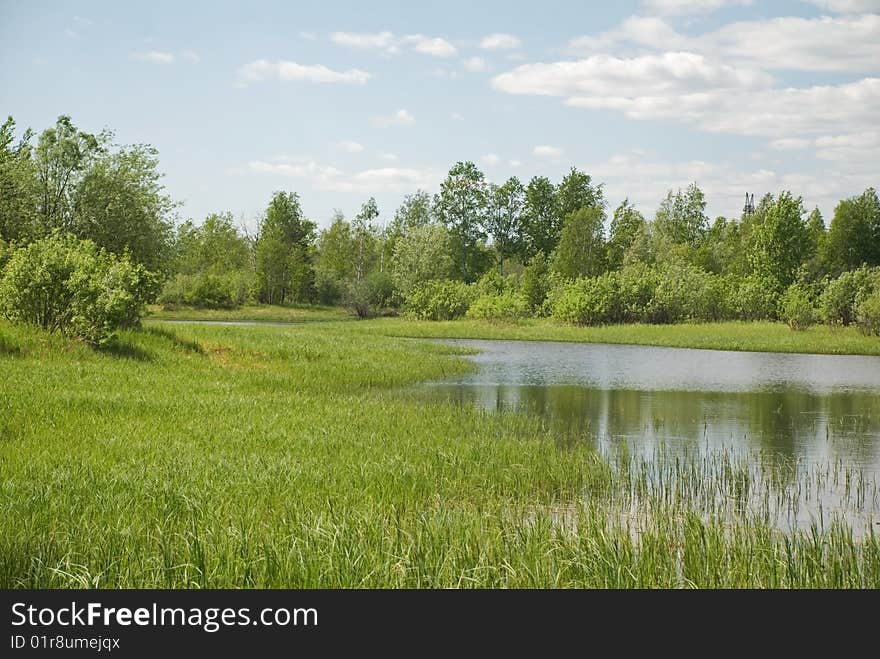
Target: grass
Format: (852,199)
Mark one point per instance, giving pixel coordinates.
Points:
(255,313)
(750,336)
(217,456)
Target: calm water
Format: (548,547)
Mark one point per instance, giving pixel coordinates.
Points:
(813,408)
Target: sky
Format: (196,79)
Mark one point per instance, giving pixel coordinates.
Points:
(340,101)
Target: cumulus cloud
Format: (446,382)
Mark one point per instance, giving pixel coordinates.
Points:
(490,159)
(847,6)
(262,70)
(500,41)
(825,43)
(327,177)
(388,156)
(547,151)
(400,118)
(391,44)
(475,64)
(155,56)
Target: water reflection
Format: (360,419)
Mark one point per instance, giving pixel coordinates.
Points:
(816,408)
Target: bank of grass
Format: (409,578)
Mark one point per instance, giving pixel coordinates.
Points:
(255,313)
(211,456)
(750,336)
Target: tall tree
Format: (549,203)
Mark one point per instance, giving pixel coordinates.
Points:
(18,185)
(854,235)
(541,225)
(120,204)
(581,249)
(626,224)
(214,247)
(364,235)
(576,191)
(681,218)
(415,211)
(284,251)
(461,207)
(780,242)
(422,254)
(62,156)
(504,218)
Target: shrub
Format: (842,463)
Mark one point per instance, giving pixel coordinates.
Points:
(366,295)
(534,283)
(587,301)
(492,283)
(637,283)
(208,291)
(838,302)
(510,307)
(440,299)
(683,292)
(868,313)
(796,308)
(67,285)
(755,298)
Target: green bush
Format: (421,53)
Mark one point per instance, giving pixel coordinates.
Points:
(636,284)
(440,299)
(509,307)
(683,292)
(796,308)
(208,291)
(67,285)
(868,313)
(492,283)
(534,283)
(838,302)
(587,301)
(755,298)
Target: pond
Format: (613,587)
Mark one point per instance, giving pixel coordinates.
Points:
(808,408)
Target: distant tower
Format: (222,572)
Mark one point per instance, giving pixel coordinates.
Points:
(749,208)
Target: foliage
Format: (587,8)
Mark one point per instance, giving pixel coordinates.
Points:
(626,224)
(681,217)
(796,308)
(509,306)
(853,238)
(421,254)
(461,206)
(755,298)
(283,252)
(868,314)
(206,290)
(781,241)
(70,286)
(587,301)
(440,300)
(534,282)
(581,249)
(541,224)
(504,218)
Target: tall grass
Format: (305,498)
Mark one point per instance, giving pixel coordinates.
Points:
(206,456)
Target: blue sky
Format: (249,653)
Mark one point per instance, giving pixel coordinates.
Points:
(340,100)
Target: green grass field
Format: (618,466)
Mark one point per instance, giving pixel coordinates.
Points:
(212,456)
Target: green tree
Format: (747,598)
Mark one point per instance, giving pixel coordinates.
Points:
(283,252)
(18,186)
(62,157)
(541,226)
(119,204)
(214,247)
(415,211)
(626,224)
(681,217)
(581,249)
(461,207)
(423,254)
(854,235)
(576,192)
(780,242)
(504,218)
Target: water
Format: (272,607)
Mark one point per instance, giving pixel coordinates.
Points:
(820,413)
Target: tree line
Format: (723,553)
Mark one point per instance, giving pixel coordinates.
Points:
(496,251)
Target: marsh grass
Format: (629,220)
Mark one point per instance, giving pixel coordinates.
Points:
(208,456)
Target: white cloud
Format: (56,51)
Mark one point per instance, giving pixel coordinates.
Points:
(847,43)
(327,177)
(789,144)
(690,6)
(515,163)
(348,146)
(390,44)
(447,74)
(500,41)
(191,56)
(546,151)
(490,159)
(430,45)
(261,70)
(456,116)
(847,6)
(475,64)
(400,118)
(385,155)
(155,56)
